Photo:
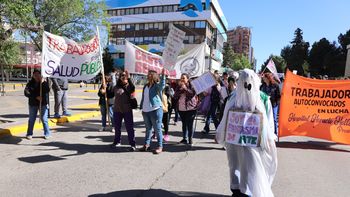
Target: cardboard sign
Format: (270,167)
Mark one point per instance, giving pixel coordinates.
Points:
(173,46)
(203,82)
(243,128)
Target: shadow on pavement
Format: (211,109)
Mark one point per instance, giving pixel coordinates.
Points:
(154,193)
(40,159)
(11,140)
(313,145)
(14,116)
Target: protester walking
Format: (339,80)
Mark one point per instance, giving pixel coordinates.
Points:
(215,98)
(60,88)
(37,101)
(124,93)
(152,111)
(187,105)
(174,84)
(271,88)
(106,89)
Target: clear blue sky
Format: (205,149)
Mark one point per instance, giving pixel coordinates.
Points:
(273,22)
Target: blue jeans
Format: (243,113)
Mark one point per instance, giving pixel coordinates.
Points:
(33,111)
(154,119)
(275,118)
(103,110)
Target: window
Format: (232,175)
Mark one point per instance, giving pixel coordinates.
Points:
(118,12)
(127,11)
(132,11)
(137,27)
(122,12)
(165,9)
(200,24)
(187,23)
(146,26)
(120,41)
(176,7)
(145,10)
(150,10)
(122,55)
(160,26)
(191,39)
(156,25)
(186,41)
(192,24)
(160,9)
(136,11)
(142,26)
(170,8)
(140,10)
(151,26)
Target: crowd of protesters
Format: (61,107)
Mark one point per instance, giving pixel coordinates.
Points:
(163,101)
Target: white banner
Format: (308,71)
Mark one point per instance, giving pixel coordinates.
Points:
(140,61)
(203,82)
(173,46)
(64,58)
(192,63)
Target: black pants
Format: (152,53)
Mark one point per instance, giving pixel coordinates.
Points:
(166,122)
(187,118)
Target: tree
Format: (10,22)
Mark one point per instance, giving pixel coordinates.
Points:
(75,19)
(325,58)
(344,41)
(280,63)
(228,54)
(240,62)
(296,54)
(9,55)
(107,61)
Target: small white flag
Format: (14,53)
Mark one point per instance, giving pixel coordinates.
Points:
(272,67)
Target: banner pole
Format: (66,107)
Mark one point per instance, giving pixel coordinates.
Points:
(41,99)
(103,76)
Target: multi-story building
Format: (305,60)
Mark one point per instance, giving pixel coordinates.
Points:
(146,24)
(240,40)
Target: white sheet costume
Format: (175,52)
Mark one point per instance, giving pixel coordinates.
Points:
(252,169)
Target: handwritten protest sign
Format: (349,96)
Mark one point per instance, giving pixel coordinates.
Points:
(173,46)
(243,128)
(203,82)
(315,108)
(64,58)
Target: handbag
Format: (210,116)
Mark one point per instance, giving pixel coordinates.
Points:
(133,101)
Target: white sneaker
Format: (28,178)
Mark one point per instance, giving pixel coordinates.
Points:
(112,130)
(102,129)
(47,137)
(29,137)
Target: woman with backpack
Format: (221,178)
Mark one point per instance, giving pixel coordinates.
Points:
(167,95)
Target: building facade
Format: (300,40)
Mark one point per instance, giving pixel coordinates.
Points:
(146,24)
(240,40)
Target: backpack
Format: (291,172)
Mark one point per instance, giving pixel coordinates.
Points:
(164,103)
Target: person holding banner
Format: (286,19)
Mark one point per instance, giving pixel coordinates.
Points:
(187,102)
(103,91)
(152,112)
(35,99)
(124,91)
(271,88)
(252,163)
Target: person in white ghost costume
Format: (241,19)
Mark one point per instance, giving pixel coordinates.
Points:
(252,169)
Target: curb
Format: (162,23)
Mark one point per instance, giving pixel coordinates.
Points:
(22,128)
